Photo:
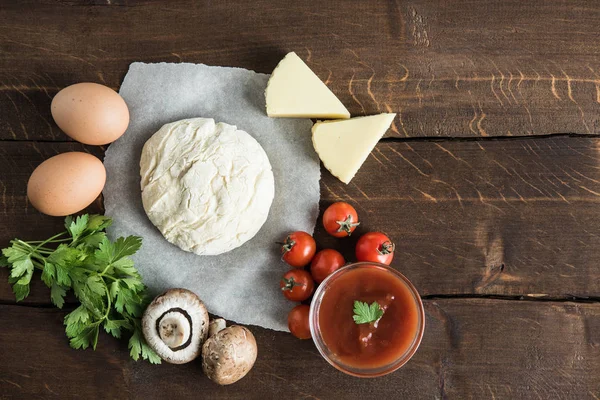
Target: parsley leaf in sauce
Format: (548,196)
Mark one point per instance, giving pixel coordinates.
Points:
(365,313)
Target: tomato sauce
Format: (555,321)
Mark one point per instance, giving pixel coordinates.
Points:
(371,345)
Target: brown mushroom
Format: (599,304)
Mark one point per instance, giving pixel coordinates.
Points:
(228,354)
(175,325)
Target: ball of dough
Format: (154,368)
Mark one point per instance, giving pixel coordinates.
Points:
(207,187)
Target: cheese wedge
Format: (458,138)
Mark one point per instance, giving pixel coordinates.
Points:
(344,145)
(295,91)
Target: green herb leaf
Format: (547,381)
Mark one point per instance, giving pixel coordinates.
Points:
(25,279)
(134,284)
(57,295)
(109,252)
(125,267)
(135,345)
(49,274)
(62,275)
(96,284)
(127,246)
(114,326)
(93,240)
(78,315)
(90,300)
(74,329)
(138,347)
(114,290)
(20,291)
(15,253)
(98,222)
(365,313)
(65,256)
(87,337)
(100,273)
(21,267)
(78,226)
(68,222)
(128,302)
(149,354)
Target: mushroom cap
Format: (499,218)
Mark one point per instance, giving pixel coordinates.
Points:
(229,355)
(175,325)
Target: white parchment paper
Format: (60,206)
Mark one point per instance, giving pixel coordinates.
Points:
(241,285)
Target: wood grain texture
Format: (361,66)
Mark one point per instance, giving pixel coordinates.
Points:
(521,349)
(508,217)
(447,68)
(512,217)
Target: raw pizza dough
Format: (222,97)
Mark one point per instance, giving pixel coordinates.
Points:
(207,187)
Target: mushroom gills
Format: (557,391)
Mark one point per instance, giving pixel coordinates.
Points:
(175,328)
(175,325)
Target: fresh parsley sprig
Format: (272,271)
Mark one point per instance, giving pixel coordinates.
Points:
(365,313)
(100,273)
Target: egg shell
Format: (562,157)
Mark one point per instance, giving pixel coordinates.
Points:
(90,113)
(66,183)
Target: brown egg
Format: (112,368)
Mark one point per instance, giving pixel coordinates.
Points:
(66,183)
(90,113)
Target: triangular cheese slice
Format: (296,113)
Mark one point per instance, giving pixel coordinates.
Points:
(344,145)
(295,91)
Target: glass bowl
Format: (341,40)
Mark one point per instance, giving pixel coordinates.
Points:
(329,355)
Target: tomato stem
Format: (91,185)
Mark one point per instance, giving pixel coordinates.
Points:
(347,225)
(289,284)
(287,245)
(387,247)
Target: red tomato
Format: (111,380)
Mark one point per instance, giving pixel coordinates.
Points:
(298,249)
(298,321)
(297,285)
(324,263)
(340,219)
(375,247)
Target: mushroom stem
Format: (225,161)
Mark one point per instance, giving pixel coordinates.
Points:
(215,326)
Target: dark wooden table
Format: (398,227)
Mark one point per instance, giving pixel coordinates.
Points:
(489,181)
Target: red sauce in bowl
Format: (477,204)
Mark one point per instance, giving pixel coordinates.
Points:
(373,345)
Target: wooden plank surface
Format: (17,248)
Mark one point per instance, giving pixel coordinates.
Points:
(506,68)
(554,354)
(510,218)
(479,223)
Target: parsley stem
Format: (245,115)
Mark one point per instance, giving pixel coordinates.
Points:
(49,241)
(96,272)
(25,246)
(106,269)
(28,246)
(108,299)
(44,250)
(36,255)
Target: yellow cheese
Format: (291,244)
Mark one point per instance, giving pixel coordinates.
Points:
(344,145)
(295,91)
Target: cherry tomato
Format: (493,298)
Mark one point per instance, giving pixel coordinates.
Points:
(324,263)
(298,321)
(298,249)
(340,219)
(375,247)
(297,285)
